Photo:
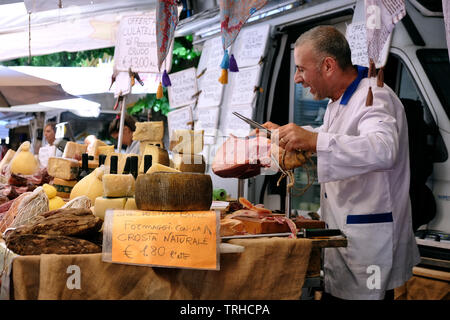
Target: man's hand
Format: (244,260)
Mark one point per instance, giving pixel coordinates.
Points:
(268,125)
(292,137)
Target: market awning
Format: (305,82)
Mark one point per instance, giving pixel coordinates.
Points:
(85,26)
(17,88)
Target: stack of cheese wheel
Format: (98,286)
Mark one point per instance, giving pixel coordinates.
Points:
(65,173)
(149,133)
(186,147)
(118,192)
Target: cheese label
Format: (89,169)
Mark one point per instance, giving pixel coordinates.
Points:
(188,239)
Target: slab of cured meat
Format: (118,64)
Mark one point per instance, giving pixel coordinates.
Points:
(242,157)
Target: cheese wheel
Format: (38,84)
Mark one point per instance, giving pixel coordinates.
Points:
(159,155)
(24,161)
(49,190)
(90,186)
(92,150)
(63,187)
(118,185)
(144,143)
(122,159)
(62,168)
(149,130)
(173,191)
(185,162)
(103,204)
(74,150)
(106,150)
(55,203)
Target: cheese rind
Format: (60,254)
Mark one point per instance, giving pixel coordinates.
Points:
(173,191)
(102,204)
(159,155)
(150,130)
(74,150)
(63,168)
(118,185)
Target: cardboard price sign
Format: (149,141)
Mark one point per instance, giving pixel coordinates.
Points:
(168,239)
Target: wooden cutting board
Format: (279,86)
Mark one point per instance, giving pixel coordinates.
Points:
(257,226)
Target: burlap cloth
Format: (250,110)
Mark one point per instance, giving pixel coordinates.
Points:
(269,268)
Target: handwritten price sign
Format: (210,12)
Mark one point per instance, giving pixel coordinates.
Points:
(136,45)
(169,239)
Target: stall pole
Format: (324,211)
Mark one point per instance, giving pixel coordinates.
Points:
(122,121)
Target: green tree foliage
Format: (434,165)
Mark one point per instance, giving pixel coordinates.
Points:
(88,58)
(184,56)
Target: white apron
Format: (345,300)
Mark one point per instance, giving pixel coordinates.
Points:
(363,168)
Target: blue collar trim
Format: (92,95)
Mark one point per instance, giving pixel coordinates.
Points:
(362,73)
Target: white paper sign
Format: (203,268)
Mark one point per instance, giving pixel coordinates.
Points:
(243,85)
(183,89)
(356,37)
(232,124)
(136,45)
(211,89)
(180,119)
(212,55)
(251,45)
(208,120)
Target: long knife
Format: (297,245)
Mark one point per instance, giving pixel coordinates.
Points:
(303,233)
(252,123)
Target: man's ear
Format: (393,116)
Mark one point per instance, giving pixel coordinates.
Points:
(329,65)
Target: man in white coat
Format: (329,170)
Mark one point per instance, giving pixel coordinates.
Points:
(362,166)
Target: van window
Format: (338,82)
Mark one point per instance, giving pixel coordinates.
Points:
(437,67)
(398,77)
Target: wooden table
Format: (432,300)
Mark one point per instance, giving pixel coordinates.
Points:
(259,272)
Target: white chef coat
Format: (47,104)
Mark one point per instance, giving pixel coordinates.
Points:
(363,168)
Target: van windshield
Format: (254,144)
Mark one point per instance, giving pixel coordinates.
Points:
(437,67)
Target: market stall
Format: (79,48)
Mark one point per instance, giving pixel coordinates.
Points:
(98,223)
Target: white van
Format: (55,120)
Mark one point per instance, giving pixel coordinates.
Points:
(417,69)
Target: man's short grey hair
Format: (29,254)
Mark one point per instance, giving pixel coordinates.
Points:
(328,41)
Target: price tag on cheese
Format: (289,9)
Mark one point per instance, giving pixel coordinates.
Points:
(164,239)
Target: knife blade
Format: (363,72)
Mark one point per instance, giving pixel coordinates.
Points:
(252,123)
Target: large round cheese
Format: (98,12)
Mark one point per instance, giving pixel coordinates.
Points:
(173,191)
